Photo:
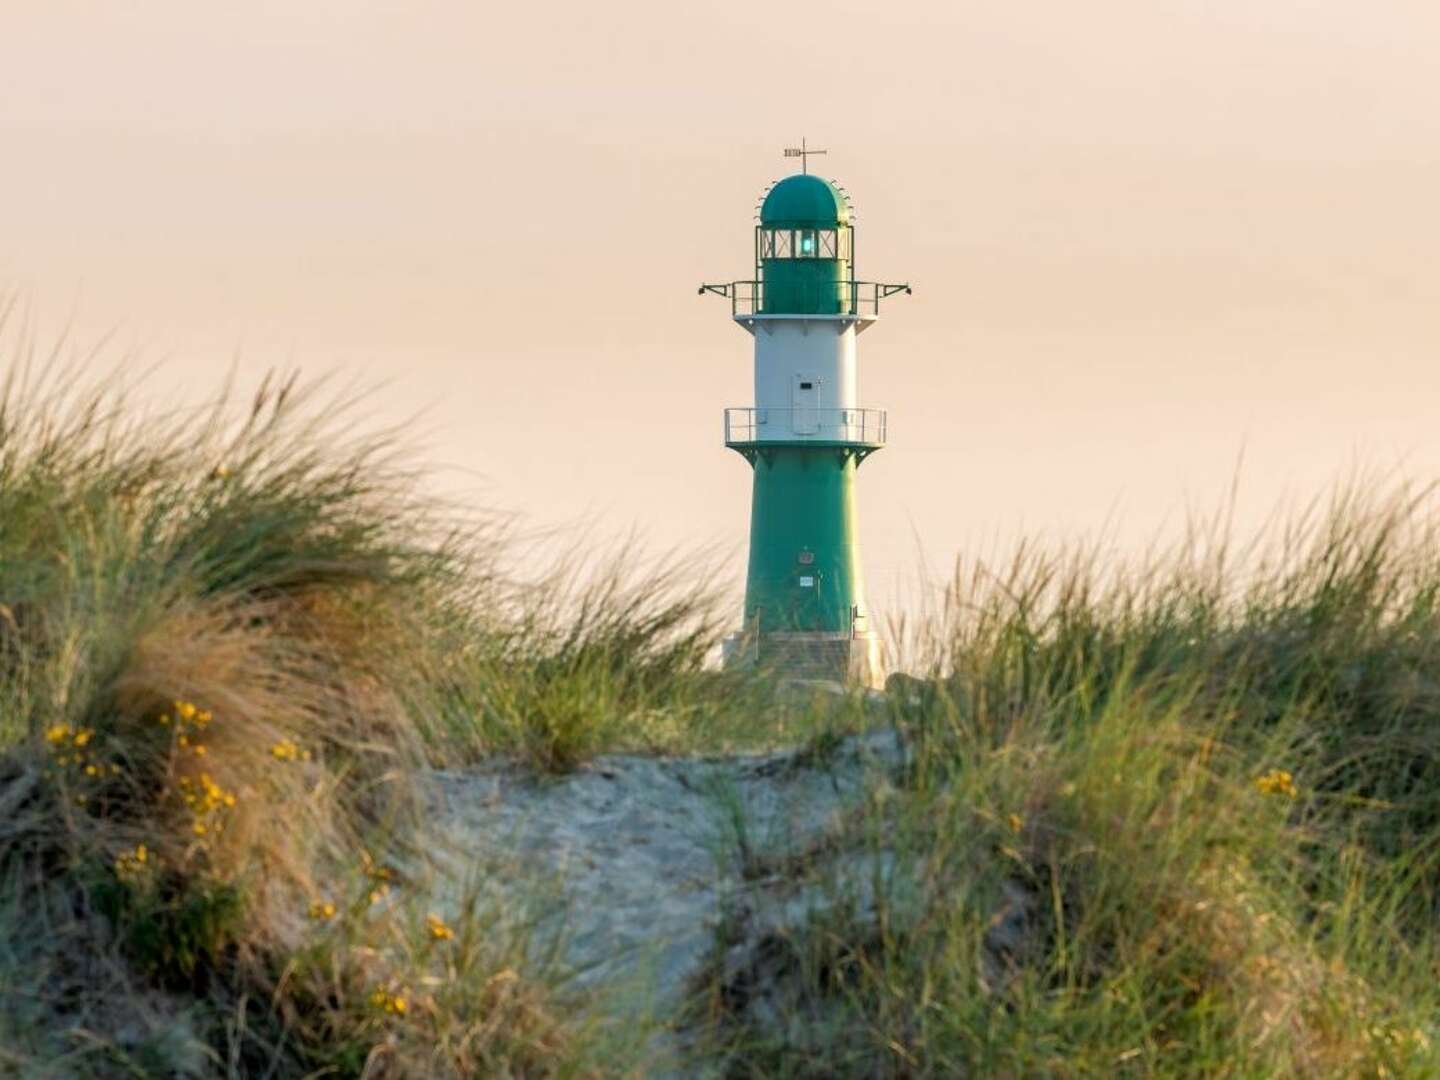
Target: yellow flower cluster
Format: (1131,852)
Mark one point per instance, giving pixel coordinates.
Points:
(190,723)
(64,736)
(71,749)
(386,1002)
(207,801)
(437,928)
(131,866)
(286,750)
(380,877)
(322,911)
(1277,782)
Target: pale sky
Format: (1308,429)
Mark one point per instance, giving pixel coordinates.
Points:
(1143,236)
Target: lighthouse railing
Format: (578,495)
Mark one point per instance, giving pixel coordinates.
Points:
(744,425)
(844,297)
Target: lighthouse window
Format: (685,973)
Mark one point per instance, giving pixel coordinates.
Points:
(804,244)
(807,386)
(775,244)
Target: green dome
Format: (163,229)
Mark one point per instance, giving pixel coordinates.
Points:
(804,201)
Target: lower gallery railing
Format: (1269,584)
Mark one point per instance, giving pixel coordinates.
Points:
(748,425)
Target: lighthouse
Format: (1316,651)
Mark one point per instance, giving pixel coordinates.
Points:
(806,436)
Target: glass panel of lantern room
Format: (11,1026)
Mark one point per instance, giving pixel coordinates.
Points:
(798,281)
(827,244)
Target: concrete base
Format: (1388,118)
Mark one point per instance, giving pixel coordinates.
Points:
(853,659)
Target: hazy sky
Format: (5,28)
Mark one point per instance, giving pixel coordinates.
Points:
(1142,235)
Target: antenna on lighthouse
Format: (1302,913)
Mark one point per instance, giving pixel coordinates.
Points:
(803,152)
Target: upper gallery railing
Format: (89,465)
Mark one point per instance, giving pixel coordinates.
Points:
(823,297)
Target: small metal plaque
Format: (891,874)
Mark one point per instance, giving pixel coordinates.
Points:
(807,583)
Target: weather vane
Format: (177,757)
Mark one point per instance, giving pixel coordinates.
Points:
(803,152)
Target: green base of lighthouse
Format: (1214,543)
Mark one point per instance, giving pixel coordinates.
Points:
(805,611)
(804,544)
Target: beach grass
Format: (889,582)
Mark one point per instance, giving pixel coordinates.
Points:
(1171,819)
(1177,819)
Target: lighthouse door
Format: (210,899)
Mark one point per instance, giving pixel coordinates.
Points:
(805,391)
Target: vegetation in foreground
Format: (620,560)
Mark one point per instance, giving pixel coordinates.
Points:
(229,643)
(1180,820)
(1206,792)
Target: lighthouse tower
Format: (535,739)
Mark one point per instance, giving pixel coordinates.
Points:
(806,436)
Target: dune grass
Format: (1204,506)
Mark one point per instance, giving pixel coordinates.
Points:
(230,641)
(1175,820)
(1179,820)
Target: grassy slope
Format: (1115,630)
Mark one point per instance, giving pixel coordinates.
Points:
(1090,745)
(227,643)
(1208,792)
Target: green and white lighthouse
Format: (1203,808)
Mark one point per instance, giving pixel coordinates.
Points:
(806,436)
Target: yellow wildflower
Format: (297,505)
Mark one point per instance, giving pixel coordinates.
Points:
(129,865)
(322,911)
(393,1004)
(1016,822)
(57,733)
(200,829)
(1277,782)
(437,928)
(91,770)
(200,749)
(185,710)
(83,737)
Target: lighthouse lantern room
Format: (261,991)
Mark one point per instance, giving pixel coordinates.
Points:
(805,437)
